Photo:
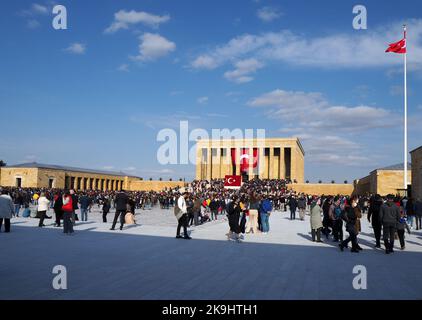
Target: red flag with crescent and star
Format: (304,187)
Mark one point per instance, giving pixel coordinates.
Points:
(233,181)
(245,162)
(399,46)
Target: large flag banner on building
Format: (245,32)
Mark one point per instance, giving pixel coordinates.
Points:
(245,162)
(234,182)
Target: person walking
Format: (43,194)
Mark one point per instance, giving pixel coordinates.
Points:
(336,213)
(233,213)
(375,204)
(292,206)
(196,210)
(265,212)
(106,209)
(301,204)
(316,222)
(410,212)
(43,205)
(390,217)
(17,202)
(418,214)
(327,222)
(58,208)
(6,210)
(213,208)
(351,213)
(85,202)
(121,202)
(252,224)
(75,201)
(181,213)
(401,227)
(68,210)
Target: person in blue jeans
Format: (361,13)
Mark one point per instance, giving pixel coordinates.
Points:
(265,210)
(85,202)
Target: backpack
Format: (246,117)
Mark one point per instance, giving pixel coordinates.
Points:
(337,213)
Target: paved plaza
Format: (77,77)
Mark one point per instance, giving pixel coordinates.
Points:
(147,262)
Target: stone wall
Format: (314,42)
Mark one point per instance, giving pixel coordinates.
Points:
(388,181)
(29,177)
(146,185)
(322,188)
(417,173)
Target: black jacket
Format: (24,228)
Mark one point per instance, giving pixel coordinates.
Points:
(374,211)
(390,214)
(121,201)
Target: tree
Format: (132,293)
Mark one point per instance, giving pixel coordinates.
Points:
(2,163)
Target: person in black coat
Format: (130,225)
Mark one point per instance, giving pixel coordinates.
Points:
(58,204)
(293,207)
(106,209)
(121,201)
(233,213)
(350,215)
(375,204)
(75,200)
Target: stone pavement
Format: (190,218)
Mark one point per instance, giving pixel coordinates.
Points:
(147,262)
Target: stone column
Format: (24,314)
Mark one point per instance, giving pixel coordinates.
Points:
(271,164)
(82,183)
(293,164)
(216,164)
(199,163)
(237,161)
(261,162)
(209,163)
(251,162)
(282,165)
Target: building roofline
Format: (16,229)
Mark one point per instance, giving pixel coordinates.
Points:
(417,149)
(35,165)
(246,140)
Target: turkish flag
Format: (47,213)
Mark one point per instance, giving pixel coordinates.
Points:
(245,161)
(397,47)
(233,181)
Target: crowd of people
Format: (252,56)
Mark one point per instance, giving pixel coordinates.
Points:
(247,209)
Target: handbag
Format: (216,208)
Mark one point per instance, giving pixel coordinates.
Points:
(34,213)
(130,218)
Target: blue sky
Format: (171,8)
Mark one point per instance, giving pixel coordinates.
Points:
(96,95)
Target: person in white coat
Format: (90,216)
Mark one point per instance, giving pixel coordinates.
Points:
(6,210)
(181,213)
(43,204)
(316,222)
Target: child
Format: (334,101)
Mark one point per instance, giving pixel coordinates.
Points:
(400,229)
(106,209)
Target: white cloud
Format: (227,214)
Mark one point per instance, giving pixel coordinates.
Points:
(313,111)
(34,10)
(268,14)
(108,168)
(335,50)
(244,68)
(176,92)
(323,127)
(76,48)
(154,46)
(205,62)
(39,9)
(124,19)
(202,100)
(123,68)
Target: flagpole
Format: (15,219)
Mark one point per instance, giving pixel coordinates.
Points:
(405,113)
